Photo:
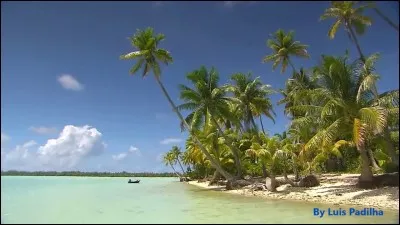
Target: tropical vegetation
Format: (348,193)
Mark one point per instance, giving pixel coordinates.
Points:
(339,120)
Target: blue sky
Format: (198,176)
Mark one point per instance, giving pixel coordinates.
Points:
(78,44)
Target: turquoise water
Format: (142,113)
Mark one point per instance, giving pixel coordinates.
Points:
(154,200)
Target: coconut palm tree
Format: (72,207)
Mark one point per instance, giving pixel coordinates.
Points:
(252,97)
(350,17)
(169,160)
(343,95)
(148,56)
(208,101)
(176,152)
(283,46)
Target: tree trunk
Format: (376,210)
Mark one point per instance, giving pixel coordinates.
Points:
(179,162)
(235,151)
(215,178)
(354,37)
(372,160)
(262,125)
(390,148)
(264,170)
(396,27)
(366,176)
(175,171)
(214,163)
(253,122)
(291,64)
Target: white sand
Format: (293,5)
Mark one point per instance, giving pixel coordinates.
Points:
(334,189)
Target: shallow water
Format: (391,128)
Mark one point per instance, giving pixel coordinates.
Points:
(154,200)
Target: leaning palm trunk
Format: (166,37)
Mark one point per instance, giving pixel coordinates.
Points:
(214,163)
(262,125)
(175,171)
(179,162)
(354,39)
(215,178)
(235,151)
(385,18)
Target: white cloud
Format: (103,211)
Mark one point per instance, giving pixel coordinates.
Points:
(44,130)
(29,144)
(170,141)
(73,144)
(70,83)
(134,150)
(4,137)
(20,158)
(120,156)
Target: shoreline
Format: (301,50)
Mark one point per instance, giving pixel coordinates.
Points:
(333,189)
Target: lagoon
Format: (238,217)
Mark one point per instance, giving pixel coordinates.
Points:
(154,200)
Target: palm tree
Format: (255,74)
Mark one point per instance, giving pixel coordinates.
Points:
(252,97)
(283,46)
(169,160)
(208,101)
(176,152)
(350,18)
(149,56)
(343,95)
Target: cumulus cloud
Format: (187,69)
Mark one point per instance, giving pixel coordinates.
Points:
(120,156)
(70,83)
(44,130)
(170,141)
(134,150)
(73,144)
(21,158)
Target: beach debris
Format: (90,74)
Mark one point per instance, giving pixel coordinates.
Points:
(309,181)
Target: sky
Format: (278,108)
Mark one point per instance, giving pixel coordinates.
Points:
(69,103)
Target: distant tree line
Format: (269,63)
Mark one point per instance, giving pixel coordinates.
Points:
(84,174)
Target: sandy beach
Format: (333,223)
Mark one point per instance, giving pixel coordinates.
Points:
(334,189)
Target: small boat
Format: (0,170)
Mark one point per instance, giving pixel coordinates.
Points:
(133,181)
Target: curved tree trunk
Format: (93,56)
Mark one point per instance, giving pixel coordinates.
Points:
(262,125)
(385,18)
(175,171)
(179,162)
(235,151)
(215,178)
(214,163)
(291,64)
(354,37)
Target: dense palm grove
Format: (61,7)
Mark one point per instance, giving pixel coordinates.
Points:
(339,121)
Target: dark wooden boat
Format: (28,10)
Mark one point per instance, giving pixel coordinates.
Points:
(133,181)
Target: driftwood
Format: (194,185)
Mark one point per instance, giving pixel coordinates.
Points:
(382,180)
